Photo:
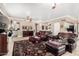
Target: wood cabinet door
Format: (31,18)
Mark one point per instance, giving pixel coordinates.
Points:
(3,44)
(27,33)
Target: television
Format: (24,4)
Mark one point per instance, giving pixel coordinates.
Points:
(71,28)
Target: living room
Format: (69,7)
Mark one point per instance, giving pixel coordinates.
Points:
(39,29)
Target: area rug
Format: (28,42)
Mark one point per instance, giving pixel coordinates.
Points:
(27,48)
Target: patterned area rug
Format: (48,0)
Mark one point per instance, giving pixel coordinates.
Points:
(27,48)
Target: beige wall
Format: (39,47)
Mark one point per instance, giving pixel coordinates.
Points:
(26,23)
(62,24)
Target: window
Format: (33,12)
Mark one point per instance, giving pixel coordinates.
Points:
(30,27)
(42,27)
(25,27)
(46,27)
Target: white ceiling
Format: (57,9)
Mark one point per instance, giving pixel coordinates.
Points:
(41,11)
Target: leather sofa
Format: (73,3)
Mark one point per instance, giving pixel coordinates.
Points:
(34,39)
(55,48)
(66,39)
(43,35)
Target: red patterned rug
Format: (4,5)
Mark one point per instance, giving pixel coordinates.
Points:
(27,48)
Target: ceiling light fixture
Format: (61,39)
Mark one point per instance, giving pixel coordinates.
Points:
(53,4)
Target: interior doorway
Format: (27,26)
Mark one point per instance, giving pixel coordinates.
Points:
(56,28)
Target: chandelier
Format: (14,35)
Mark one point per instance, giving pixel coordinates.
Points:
(53,5)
